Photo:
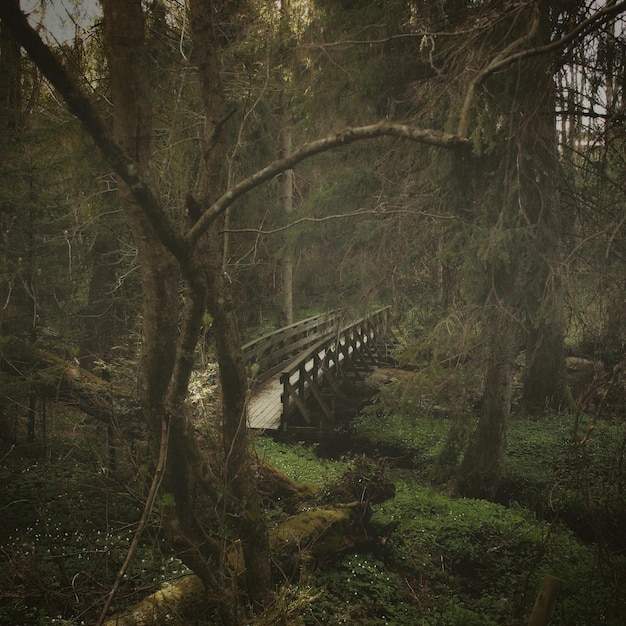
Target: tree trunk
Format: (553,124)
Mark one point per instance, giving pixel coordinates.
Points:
(522,260)
(167,351)
(101,319)
(15,312)
(544,380)
(132,128)
(481,468)
(240,480)
(286,144)
(10,79)
(287,205)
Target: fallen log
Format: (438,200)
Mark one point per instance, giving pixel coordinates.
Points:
(311,536)
(319,534)
(58,379)
(169,605)
(279,490)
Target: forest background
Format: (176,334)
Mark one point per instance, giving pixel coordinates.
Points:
(258,162)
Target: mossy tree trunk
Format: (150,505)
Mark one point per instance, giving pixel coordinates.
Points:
(170,340)
(519,259)
(164,361)
(250,522)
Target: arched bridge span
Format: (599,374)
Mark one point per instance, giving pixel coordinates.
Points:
(299,369)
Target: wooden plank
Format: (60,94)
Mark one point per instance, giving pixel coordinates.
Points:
(267,350)
(265,406)
(291,393)
(318,396)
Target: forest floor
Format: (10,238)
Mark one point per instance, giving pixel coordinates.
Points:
(452,561)
(437,559)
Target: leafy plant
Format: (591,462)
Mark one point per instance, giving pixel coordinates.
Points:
(360,589)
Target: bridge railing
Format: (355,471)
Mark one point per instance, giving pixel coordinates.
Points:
(352,351)
(270,352)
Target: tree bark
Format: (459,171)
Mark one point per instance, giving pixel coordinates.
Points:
(545,601)
(287,205)
(522,258)
(10,78)
(167,351)
(287,177)
(132,128)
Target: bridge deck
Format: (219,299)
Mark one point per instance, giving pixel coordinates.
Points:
(311,355)
(265,407)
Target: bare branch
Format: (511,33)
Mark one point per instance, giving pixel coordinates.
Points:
(326,218)
(337,140)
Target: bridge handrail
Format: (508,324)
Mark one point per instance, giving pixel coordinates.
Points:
(294,365)
(302,376)
(270,351)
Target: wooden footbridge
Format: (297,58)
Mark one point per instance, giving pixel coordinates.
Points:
(298,370)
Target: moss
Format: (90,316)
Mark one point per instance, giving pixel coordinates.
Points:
(168,605)
(319,534)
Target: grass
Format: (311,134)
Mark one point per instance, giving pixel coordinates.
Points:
(299,461)
(414,442)
(454,561)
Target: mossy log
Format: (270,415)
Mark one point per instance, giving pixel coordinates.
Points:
(316,534)
(279,490)
(169,605)
(56,378)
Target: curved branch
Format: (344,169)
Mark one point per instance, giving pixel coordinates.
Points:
(181,247)
(349,135)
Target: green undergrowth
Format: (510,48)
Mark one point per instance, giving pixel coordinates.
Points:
(436,560)
(564,466)
(401,438)
(454,561)
(481,563)
(298,461)
(65,530)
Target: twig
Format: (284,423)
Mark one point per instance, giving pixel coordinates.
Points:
(143,522)
(326,218)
